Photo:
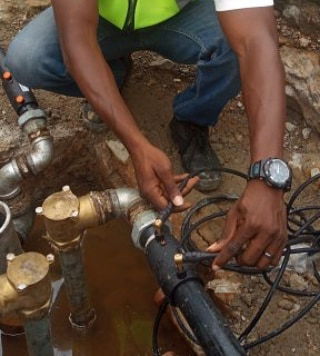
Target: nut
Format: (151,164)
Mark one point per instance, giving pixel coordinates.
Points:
(10,257)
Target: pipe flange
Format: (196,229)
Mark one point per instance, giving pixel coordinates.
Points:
(64,246)
(142,221)
(91,318)
(31,115)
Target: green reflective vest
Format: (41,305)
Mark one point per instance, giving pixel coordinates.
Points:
(136,14)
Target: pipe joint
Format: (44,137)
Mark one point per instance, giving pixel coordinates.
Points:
(31,116)
(41,154)
(10,178)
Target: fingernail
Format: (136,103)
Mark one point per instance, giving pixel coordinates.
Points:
(178,200)
(212,246)
(215,268)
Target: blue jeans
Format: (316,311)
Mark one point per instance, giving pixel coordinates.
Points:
(193,36)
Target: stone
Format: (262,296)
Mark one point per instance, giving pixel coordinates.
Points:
(306,132)
(303,83)
(313,321)
(38,3)
(314,172)
(297,282)
(285,304)
(162,63)
(118,150)
(305,15)
(304,42)
(290,127)
(226,286)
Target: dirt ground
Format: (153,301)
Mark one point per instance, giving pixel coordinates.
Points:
(149,93)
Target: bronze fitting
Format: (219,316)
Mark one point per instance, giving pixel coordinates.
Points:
(66,217)
(25,290)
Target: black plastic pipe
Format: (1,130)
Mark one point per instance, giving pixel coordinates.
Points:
(185,290)
(20,96)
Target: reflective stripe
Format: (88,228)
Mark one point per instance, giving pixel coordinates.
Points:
(147,12)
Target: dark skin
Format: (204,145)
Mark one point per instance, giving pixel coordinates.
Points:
(257,222)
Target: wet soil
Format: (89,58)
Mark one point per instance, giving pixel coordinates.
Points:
(121,285)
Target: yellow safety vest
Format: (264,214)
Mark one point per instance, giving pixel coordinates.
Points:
(135,14)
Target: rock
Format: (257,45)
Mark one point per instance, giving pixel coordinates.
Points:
(226,286)
(313,321)
(38,3)
(297,282)
(162,63)
(306,132)
(303,83)
(290,127)
(5,8)
(285,304)
(314,172)
(118,150)
(304,42)
(304,15)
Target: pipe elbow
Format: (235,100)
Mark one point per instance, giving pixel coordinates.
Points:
(123,200)
(41,154)
(10,177)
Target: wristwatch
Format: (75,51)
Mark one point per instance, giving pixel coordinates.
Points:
(274,171)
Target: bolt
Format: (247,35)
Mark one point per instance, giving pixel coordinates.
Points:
(10,257)
(75,214)
(39,210)
(66,188)
(50,258)
(22,287)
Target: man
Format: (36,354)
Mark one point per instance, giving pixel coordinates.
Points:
(71,50)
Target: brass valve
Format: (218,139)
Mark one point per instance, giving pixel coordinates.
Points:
(25,290)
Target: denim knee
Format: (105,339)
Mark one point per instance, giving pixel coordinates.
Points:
(19,62)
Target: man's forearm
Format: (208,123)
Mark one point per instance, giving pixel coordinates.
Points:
(252,34)
(264,96)
(96,81)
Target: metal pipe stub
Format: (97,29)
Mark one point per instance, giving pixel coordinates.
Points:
(66,217)
(9,240)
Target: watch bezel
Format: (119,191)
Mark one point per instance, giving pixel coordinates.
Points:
(268,175)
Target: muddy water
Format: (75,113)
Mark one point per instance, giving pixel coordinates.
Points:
(122,289)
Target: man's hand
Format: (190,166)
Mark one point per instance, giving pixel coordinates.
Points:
(156,180)
(256,229)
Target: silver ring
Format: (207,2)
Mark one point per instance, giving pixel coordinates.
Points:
(268,255)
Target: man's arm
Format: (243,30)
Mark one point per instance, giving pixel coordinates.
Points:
(77,22)
(257,223)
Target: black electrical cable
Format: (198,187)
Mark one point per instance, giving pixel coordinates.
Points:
(162,309)
(301,231)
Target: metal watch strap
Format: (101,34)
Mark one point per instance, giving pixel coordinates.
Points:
(256,171)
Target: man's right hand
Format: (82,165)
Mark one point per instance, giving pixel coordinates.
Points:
(156,180)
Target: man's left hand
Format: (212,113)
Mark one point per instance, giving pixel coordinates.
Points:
(256,229)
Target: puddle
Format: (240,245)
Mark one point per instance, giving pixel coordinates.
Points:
(122,289)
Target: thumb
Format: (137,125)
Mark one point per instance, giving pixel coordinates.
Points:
(172,188)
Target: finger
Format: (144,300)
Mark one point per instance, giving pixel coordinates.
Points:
(180,177)
(255,250)
(187,205)
(233,247)
(272,252)
(275,262)
(191,184)
(228,231)
(154,195)
(171,187)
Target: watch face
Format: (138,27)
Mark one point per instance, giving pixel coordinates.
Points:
(277,172)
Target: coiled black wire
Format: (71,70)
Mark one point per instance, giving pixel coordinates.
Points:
(301,229)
